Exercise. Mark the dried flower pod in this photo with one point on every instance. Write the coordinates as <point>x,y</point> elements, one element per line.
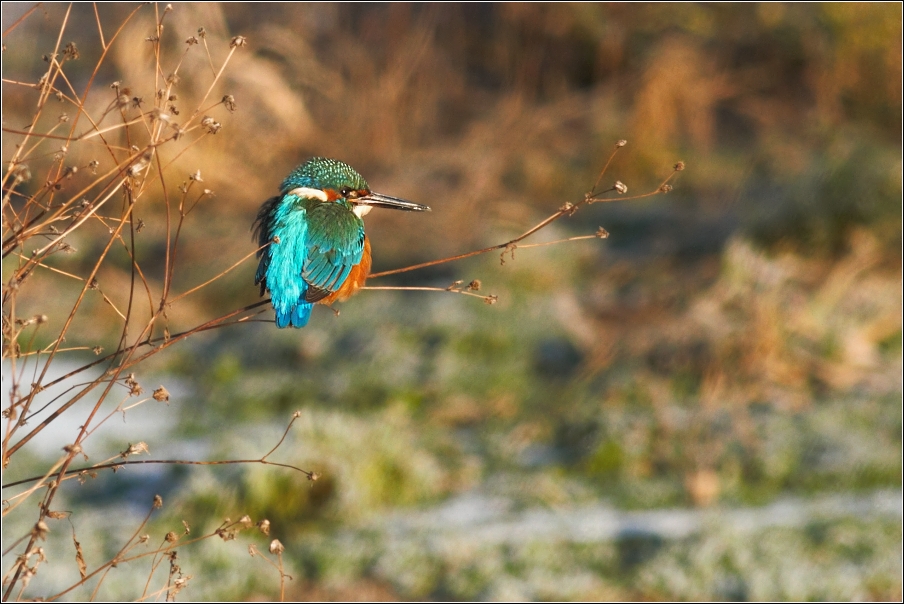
<point>264,526</point>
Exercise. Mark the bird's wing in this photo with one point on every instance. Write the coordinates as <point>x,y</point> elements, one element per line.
<point>262,227</point>
<point>335,242</point>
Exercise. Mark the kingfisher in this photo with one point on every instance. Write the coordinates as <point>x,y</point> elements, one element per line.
<point>318,252</point>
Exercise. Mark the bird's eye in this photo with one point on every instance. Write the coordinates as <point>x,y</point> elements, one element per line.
<point>345,191</point>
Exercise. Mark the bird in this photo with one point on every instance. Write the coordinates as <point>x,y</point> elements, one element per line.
<point>313,249</point>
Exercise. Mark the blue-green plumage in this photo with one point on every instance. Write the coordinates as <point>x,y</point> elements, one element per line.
<point>316,237</point>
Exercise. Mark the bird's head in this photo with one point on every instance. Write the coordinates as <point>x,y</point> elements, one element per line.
<point>331,180</point>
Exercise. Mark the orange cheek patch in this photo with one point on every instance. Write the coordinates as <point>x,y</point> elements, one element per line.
<point>331,195</point>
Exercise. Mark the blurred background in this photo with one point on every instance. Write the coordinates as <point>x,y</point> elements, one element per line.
<point>705,405</point>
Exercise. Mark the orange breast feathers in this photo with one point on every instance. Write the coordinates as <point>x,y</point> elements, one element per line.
<point>355,280</point>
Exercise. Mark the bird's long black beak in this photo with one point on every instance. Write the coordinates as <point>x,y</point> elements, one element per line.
<point>385,201</point>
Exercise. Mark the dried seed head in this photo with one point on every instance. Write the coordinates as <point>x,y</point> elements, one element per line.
<point>73,449</point>
<point>41,529</point>
<point>246,521</point>
<point>264,526</point>
<point>144,538</point>
<point>202,33</point>
<point>620,187</point>
<point>136,168</point>
<point>71,51</point>
<point>20,172</point>
<point>196,176</point>
<point>276,547</point>
<point>97,350</point>
<point>679,166</point>
<point>665,188</point>
<point>27,574</point>
<point>135,449</point>
<point>191,41</point>
<point>40,319</point>
<point>474,285</point>
<point>134,387</point>
<point>229,102</point>
<point>211,125</point>
<point>238,41</point>
<point>491,299</point>
<point>602,233</point>
<point>158,502</point>
<point>621,143</point>
<point>161,395</point>
<point>171,537</point>
<point>186,527</point>
<point>64,117</point>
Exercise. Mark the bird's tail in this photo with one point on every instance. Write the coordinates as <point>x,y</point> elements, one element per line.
<point>297,316</point>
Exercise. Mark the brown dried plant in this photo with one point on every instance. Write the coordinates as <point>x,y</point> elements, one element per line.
<point>85,174</point>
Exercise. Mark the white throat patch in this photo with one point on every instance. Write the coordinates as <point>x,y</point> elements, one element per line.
<point>362,210</point>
